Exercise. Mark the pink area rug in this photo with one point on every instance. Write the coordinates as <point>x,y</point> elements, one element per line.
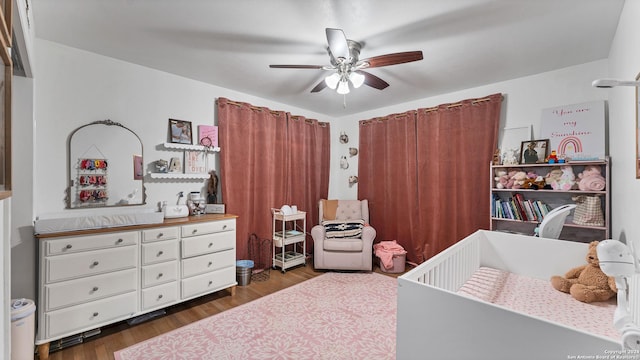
<point>331,316</point>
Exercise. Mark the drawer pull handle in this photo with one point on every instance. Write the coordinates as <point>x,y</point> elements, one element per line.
<point>160,296</point>
<point>95,314</point>
<point>119,241</point>
<point>194,231</point>
<point>160,275</point>
<point>95,263</point>
<point>224,227</point>
<point>210,244</point>
<point>69,246</point>
<point>210,282</point>
<point>160,253</point>
<point>95,288</point>
<point>210,263</point>
<point>160,235</point>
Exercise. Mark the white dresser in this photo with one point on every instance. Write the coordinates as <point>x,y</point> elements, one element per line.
<point>92,278</point>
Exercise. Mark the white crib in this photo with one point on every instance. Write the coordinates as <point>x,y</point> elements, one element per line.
<point>435,322</point>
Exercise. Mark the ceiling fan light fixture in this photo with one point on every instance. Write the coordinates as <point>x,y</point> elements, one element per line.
<point>343,87</point>
<point>356,79</point>
<point>332,80</point>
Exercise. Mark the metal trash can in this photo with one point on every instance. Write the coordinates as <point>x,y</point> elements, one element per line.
<point>22,329</point>
<point>243,272</point>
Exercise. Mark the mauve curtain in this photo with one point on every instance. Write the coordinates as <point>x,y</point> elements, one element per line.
<point>455,146</point>
<point>307,167</point>
<point>387,178</point>
<point>253,145</point>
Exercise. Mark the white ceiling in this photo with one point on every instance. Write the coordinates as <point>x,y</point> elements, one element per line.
<point>230,43</point>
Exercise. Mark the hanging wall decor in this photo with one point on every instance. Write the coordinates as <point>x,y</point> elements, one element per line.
<point>92,182</point>
<point>344,138</point>
<point>344,164</point>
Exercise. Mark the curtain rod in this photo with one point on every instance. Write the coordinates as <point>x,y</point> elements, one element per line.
<point>257,108</point>
<point>476,101</point>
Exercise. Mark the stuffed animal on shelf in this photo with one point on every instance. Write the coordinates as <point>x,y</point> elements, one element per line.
<point>553,178</point>
<point>590,179</point>
<point>587,283</point>
<point>501,178</point>
<point>518,180</point>
<point>567,180</point>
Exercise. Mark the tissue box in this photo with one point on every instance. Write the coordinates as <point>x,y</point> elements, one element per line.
<point>214,209</point>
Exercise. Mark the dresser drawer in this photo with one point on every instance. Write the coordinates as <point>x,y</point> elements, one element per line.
<point>200,245</point>
<point>208,227</point>
<point>90,242</point>
<point>89,288</point>
<point>159,251</point>
<point>159,273</point>
<point>91,315</point>
<point>88,263</point>
<point>159,295</point>
<point>165,233</point>
<point>205,263</point>
<point>205,283</point>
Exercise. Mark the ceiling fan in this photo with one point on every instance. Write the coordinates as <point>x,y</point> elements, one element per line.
<point>344,59</point>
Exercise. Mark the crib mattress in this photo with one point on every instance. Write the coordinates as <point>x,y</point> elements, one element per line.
<point>538,298</point>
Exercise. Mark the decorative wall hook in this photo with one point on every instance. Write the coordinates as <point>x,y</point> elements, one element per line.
<point>353,151</point>
<point>343,163</point>
<point>353,180</point>
<point>344,138</point>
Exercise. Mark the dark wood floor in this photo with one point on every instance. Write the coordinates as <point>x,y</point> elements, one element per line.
<point>121,335</point>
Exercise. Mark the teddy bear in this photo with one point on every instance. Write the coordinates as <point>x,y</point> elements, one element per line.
<point>518,179</point>
<point>587,283</point>
<point>590,179</point>
<point>534,183</point>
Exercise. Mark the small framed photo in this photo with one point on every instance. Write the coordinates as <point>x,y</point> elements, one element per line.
<point>180,132</point>
<point>137,167</point>
<point>534,151</point>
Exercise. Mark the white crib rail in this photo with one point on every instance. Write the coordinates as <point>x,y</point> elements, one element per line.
<point>451,268</point>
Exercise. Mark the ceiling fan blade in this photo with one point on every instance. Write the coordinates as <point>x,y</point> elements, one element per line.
<point>373,81</point>
<point>321,85</point>
<point>296,66</point>
<point>337,43</point>
<point>392,59</point>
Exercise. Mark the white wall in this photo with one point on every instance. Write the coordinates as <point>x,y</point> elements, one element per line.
<point>23,273</point>
<point>5,276</point>
<point>624,63</point>
<point>75,87</point>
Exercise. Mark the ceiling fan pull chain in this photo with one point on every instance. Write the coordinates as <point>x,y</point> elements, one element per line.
<point>344,101</point>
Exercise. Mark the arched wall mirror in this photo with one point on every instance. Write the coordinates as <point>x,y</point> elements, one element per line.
<point>105,166</point>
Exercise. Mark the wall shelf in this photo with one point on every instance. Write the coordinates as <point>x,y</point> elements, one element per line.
<point>179,176</point>
<point>190,147</point>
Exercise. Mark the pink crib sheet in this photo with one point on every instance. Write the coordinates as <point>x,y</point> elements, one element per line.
<point>538,298</point>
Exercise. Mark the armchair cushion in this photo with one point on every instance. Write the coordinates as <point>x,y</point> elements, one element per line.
<point>341,229</point>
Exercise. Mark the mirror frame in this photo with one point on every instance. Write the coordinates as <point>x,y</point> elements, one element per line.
<point>69,195</point>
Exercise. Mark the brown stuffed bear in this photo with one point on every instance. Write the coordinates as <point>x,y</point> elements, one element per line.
<point>587,283</point>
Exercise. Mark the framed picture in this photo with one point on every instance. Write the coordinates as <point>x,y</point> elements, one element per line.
<point>208,135</point>
<point>534,151</point>
<point>195,162</point>
<point>180,131</point>
<point>137,167</point>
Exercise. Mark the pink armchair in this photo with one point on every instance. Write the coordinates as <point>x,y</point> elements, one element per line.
<point>349,249</point>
